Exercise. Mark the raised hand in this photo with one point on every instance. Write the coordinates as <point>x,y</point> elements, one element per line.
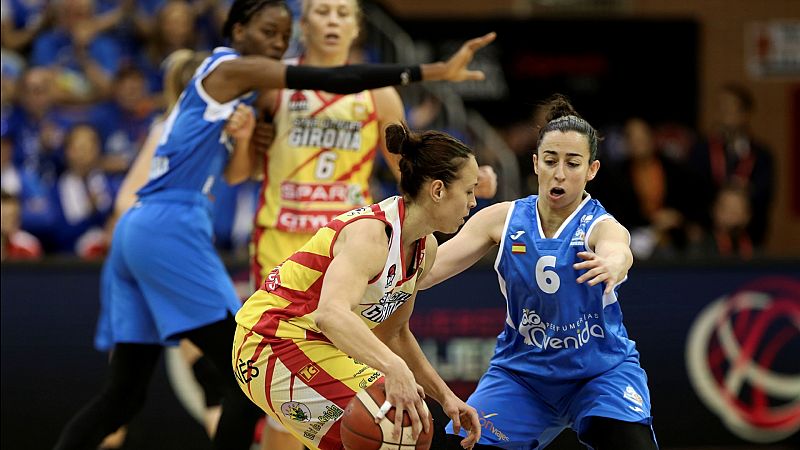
<point>599,270</point>
<point>456,66</point>
<point>487,182</point>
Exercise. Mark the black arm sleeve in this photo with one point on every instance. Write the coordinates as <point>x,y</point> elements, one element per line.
<point>351,79</point>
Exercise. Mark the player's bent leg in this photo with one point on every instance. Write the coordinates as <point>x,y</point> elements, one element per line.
<point>602,433</point>
<point>239,415</point>
<point>303,384</point>
<point>123,395</point>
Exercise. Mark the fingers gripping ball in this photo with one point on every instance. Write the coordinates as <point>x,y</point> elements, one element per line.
<point>360,432</point>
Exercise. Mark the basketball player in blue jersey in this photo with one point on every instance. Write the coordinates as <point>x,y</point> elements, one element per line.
<point>564,359</point>
<point>167,282</point>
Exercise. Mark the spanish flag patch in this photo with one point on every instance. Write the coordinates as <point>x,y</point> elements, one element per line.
<point>517,248</point>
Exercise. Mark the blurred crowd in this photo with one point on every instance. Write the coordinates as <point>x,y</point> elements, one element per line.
<point>679,193</point>
<point>82,83</point>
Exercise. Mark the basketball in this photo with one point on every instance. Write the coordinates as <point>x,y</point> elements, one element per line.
<point>360,432</point>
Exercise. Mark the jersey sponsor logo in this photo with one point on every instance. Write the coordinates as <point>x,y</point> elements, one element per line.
<point>736,354</point>
<point>517,235</point>
<point>331,414</point>
<point>325,133</point>
<point>368,381</point>
<point>549,336</point>
<point>296,411</point>
<point>389,303</point>
<point>308,372</point>
<point>632,395</point>
<point>296,221</point>
<point>273,279</point>
<point>298,102</point>
<point>489,426</point>
<point>246,371</point>
<point>322,192</point>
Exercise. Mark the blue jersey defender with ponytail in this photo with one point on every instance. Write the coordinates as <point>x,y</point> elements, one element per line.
<point>564,358</point>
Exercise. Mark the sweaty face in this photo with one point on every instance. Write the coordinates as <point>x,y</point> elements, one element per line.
<point>330,26</point>
<point>562,164</point>
<point>266,34</point>
<point>458,198</point>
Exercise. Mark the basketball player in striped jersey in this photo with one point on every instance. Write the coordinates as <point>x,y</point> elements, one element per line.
<point>321,160</point>
<point>332,319</point>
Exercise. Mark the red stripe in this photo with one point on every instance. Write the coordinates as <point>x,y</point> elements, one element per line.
<point>332,440</point>
<point>311,260</point>
<point>304,163</point>
<point>270,370</point>
<point>367,158</point>
<point>326,103</point>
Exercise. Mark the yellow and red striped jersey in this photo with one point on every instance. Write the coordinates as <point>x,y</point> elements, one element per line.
<point>321,160</point>
<point>286,304</point>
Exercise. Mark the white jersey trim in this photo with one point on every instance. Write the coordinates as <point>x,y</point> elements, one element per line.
<point>215,111</point>
<point>501,281</point>
<point>566,221</point>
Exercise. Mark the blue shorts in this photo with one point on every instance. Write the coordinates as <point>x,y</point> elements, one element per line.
<point>166,276</point>
<point>521,412</point>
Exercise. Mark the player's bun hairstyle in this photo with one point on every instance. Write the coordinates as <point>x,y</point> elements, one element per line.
<point>243,10</point>
<point>431,155</point>
<point>561,116</point>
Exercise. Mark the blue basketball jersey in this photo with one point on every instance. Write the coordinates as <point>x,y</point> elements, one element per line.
<point>555,327</point>
<point>194,149</point>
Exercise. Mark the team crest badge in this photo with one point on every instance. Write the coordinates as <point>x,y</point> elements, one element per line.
<point>296,411</point>
<point>298,102</point>
<point>390,275</point>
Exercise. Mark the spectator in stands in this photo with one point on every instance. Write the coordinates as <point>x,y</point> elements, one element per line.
<point>83,196</point>
<point>22,21</point>
<point>15,244</point>
<point>649,194</point>
<point>35,206</point>
<point>12,67</point>
<point>173,28</point>
<point>36,127</point>
<point>85,60</point>
<point>731,155</point>
<point>124,121</point>
<point>731,214</point>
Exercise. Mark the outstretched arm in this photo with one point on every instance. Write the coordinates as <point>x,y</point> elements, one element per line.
<point>234,77</point>
<point>481,232</point>
<point>611,258</point>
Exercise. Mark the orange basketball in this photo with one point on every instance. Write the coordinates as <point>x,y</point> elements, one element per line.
<point>360,432</point>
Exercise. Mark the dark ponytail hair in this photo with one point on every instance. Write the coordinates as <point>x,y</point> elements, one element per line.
<point>431,155</point>
<point>243,10</point>
<point>561,116</point>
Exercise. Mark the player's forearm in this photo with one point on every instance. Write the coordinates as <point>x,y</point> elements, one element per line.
<point>618,253</point>
<point>349,334</point>
<point>241,163</point>
<point>406,346</point>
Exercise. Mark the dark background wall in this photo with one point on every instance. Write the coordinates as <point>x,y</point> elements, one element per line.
<point>49,367</point>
